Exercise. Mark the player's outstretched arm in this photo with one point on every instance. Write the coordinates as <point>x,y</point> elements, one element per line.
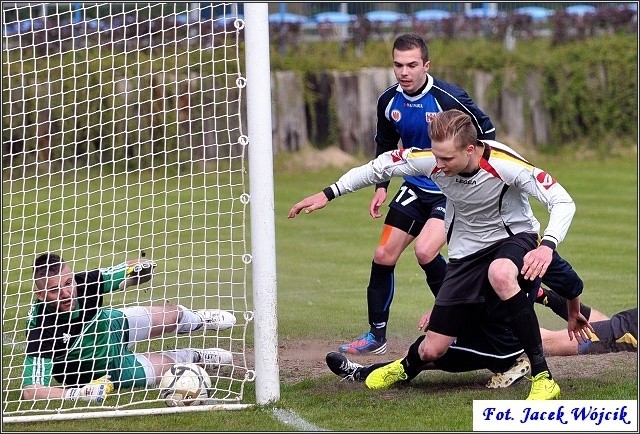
<point>384,167</point>
<point>138,271</point>
<point>132,272</point>
<point>309,204</point>
<point>96,391</point>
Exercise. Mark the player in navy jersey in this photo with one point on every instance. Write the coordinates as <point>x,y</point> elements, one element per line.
<point>78,349</point>
<point>404,112</point>
<point>492,235</point>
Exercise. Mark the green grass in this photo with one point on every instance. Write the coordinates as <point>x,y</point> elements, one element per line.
<point>323,264</point>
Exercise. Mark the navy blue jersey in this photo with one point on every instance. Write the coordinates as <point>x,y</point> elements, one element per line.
<point>405,117</point>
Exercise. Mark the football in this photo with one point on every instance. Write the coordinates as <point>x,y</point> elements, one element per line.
<point>185,384</point>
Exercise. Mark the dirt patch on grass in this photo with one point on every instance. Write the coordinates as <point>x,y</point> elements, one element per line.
<point>305,359</point>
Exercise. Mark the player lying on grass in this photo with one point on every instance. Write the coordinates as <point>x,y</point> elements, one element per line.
<point>493,348</point>
<point>612,335</point>
<point>87,348</point>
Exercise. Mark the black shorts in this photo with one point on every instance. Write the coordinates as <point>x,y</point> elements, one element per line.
<point>619,333</point>
<point>486,341</point>
<point>411,207</point>
<point>466,282</point>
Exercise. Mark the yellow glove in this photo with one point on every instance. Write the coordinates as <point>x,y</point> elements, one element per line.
<point>138,271</point>
<point>96,391</point>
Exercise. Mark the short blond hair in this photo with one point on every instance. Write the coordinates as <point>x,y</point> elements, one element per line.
<point>453,124</point>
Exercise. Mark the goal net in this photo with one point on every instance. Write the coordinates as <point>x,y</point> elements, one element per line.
<point>122,133</point>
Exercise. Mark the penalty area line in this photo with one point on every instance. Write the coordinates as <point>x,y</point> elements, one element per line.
<point>293,419</point>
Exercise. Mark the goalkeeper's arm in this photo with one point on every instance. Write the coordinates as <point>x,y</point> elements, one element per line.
<point>132,272</point>
<point>96,391</point>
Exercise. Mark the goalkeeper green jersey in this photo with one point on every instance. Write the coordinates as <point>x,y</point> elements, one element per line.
<point>75,347</point>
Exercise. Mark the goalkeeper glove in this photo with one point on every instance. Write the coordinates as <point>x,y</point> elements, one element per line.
<point>138,271</point>
<point>96,391</point>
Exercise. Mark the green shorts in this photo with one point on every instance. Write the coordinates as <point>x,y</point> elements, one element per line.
<point>122,365</point>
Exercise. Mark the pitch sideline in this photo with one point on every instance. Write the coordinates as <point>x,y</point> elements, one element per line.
<point>293,419</point>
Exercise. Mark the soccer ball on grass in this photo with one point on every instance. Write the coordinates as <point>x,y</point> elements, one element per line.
<point>185,384</point>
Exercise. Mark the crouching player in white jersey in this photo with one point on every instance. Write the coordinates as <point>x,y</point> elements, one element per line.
<point>86,348</point>
<point>492,234</point>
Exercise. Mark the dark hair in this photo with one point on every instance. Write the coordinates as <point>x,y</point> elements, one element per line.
<point>47,264</point>
<point>409,41</point>
<point>453,124</point>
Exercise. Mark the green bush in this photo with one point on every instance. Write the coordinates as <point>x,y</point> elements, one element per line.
<point>590,86</point>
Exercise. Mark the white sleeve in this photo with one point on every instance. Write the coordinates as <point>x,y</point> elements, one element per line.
<point>399,162</point>
<point>560,204</point>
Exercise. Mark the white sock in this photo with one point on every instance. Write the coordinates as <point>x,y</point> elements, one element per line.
<point>190,321</point>
<point>184,355</point>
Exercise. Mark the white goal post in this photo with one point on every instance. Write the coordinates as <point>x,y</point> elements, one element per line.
<point>128,131</point>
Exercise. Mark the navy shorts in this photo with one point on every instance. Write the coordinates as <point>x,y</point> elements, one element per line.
<point>562,278</point>
<point>411,207</point>
<point>619,333</point>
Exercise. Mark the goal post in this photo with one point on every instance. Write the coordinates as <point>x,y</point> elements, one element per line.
<point>129,130</point>
<point>262,202</point>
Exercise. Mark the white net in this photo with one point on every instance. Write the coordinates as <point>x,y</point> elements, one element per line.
<point>122,133</point>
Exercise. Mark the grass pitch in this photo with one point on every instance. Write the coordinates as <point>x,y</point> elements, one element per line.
<point>323,264</point>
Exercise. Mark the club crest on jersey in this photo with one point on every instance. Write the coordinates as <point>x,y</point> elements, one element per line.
<point>430,116</point>
<point>545,179</point>
<point>395,115</point>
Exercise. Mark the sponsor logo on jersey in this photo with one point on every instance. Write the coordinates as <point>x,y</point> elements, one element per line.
<point>412,104</point>
<point>466,181</point>
<point>545,180</point>
<point>396,115</point>
<point>430,116</point>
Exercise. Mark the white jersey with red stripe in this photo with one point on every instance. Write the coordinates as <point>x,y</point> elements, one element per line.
<point>484,207</point>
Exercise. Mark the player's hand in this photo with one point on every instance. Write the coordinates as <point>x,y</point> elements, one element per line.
<point>309,204</point>
<point>138,271</point>
<point>96,391</point>
<point>536,262</point>
<point>379,197</point>
<point>579,327</point>
<point>424,321</point>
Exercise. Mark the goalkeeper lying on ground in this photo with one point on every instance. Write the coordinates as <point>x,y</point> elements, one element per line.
<point>86,348</point>
<point>489,344</point>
